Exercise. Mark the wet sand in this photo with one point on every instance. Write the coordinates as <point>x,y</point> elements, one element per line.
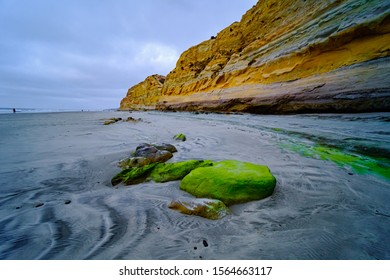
<point>57,202</point>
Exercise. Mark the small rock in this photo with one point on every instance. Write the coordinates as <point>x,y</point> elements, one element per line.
<point>163,146</point>
<point>207,208</point>
<point>131,119</point>
<point>108,122</point>
<point>180,137</point>
<point>145,151</point>
<point>153,154</point>
<point>39,204</point>
<point>67,201</point>
<point>111,121</point>
<point>205,243</point>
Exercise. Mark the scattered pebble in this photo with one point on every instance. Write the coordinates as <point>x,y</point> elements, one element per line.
<point>39,204</point>
<point>67,201</point>
<point>205,243</point>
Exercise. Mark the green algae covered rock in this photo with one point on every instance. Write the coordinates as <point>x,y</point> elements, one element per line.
<point>212,209</point>
<point>133,175</point>
<point>230,181</point>
<point>180,137</point>
<point>165,172</point>
<point>158,172</point>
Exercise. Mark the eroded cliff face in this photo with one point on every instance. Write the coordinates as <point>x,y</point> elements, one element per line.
<point>144,94</point>
<point>289,56</point>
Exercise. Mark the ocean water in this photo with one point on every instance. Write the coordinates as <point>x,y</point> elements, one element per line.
<point>4,110</point>
<point>57,202</point>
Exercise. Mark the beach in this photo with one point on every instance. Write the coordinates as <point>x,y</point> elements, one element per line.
<point>57,201</point>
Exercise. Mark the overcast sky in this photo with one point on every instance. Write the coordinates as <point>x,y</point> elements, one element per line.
<point>85,54</point>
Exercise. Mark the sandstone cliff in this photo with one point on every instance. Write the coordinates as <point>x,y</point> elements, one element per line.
<point>144,94</point>
<point>288,56</point>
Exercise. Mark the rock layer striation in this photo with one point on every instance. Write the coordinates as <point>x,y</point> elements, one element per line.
<point>282,57</point>
<point>144,94</point>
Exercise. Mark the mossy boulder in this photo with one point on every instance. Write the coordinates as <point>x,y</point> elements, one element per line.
<point>158,172</point>
<point>180,137</point>
<point>212,209</point>
<point>165,172</point>
<point>133,175</point>
<point>230,181</point>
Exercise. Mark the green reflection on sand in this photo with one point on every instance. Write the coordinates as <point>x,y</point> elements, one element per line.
<point>359,163</point>
<point>361,156</point>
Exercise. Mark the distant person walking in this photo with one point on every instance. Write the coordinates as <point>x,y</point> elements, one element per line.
<point>14,110</point>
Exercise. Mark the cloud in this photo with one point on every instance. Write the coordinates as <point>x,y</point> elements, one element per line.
<point>157,55</point>
<point>92,51</point>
